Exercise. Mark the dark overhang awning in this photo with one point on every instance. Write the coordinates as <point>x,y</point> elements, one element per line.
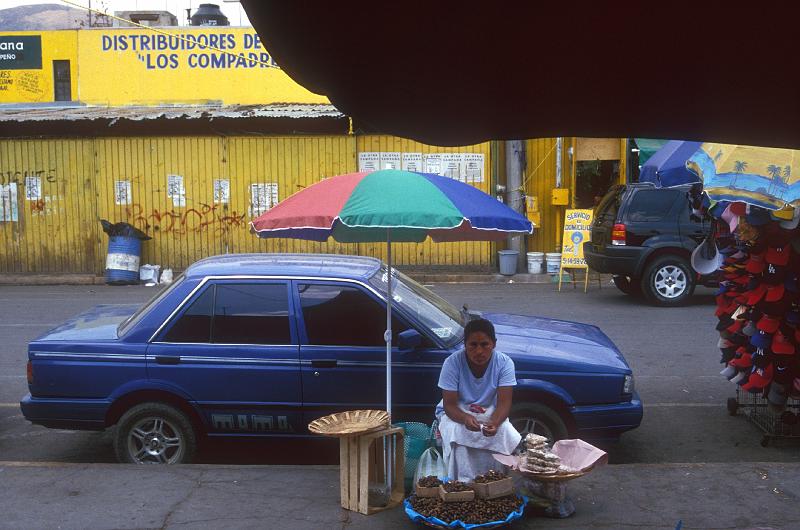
<point>454,73</point>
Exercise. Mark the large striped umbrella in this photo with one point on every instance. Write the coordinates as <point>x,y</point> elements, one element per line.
<point>393,206</point>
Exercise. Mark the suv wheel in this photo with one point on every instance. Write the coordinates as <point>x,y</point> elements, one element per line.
<point>538,419</point>
<point>154,433</point>
<point>631,286</point>
<point>668,280</point>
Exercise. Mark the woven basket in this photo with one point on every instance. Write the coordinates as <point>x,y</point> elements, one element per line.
<point>350,422</point>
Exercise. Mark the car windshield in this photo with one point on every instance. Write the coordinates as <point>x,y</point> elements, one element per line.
<point>429,308</point>
<point>134,319</point>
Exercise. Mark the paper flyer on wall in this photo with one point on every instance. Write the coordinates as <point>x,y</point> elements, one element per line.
<point>452,164</point>
<point>473,167</point>
<point>390,160</point>
<point>222,191</point>
<point>432,163</point>
<point>263,196</point>
<point>33,189</point>
<point>176,191</point>
<point>122,192</point>
<point>369,161</point>
<point>412,162</point>
<point>8,202</point>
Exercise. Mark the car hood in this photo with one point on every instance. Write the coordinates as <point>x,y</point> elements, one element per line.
<point>98,323</point>
<point>567,346</point>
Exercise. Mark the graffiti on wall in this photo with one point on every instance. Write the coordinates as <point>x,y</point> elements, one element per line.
<point>207,218</point>
<point>19,176</point>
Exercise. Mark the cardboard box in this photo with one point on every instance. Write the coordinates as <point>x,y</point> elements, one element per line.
<point>456,496</point>
<point>493,490</point>
<point>423,491</point>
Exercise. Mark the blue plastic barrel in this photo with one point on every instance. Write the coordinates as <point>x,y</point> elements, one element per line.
<point>122,262</point>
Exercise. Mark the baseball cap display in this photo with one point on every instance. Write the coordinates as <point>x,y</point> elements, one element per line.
<point>757,255</point>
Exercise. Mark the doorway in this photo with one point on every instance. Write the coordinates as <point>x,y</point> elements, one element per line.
<point>62,81</point>
<point>593,178</point>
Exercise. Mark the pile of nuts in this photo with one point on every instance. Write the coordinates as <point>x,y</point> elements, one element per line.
<point>431,481</point>
<point>471,512</point>
<point>453,486</point>
<point>490,476</point>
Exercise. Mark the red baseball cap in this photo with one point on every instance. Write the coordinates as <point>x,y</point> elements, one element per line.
<point>775,292</point>
<point>768,324</point>
<point>781,344</point>
<point>777,255</point>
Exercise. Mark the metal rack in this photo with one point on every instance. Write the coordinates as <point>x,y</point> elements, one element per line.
<point>773,424</point>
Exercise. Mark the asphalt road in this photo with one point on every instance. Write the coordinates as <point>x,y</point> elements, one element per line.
<point>672,352</point>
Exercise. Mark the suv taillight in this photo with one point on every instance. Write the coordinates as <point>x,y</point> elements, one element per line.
<point>618,234</point>
<point>30,373</point>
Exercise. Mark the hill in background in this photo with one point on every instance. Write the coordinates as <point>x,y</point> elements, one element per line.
<point>42,17</point>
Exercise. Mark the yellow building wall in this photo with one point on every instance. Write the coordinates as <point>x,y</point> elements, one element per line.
<point>540,180</point>
<point>36,85</point>
<point>123,66</point>
<point>195,197</point>
<point>140,67</point>
<point>48,207</point>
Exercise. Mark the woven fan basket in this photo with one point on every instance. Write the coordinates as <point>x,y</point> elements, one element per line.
<point>350,422</point>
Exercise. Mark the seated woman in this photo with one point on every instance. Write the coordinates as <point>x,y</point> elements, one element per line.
<point>477,385</point>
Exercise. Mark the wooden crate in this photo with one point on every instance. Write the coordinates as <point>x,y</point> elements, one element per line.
<point>361,459</point>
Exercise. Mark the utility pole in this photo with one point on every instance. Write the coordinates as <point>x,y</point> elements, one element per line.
<point>515,168</point>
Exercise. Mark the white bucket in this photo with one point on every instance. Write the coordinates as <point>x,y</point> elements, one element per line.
<point>553,262</point>
<point>535,262</point>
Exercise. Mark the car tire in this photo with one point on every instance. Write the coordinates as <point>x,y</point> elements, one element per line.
<point>631,286</point>
<point>668,281</point>
<point>539,419</point>
<point>154,433</point>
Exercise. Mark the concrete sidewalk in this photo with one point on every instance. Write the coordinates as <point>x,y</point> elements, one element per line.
<point>636,496</point>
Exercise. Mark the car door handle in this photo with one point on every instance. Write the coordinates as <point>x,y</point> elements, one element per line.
<point>167,359</point>
<point>324,363</point>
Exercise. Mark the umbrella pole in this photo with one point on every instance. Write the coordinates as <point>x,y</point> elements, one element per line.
<point>388,454</point>
<point>388,335</point>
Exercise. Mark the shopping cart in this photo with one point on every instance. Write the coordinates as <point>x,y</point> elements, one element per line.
<point>774,424</point>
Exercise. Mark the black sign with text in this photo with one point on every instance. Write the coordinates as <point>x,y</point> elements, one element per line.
<point>20,52</point>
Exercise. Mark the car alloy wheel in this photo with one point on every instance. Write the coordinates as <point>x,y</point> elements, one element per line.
<point>155,440</point>
<point>670,281</point>
<point>154,433</point>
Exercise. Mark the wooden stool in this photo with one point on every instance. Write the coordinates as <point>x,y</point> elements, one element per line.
<point>365,457</point>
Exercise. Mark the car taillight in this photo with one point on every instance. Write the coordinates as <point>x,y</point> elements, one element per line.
<point>618,234</point>
<point>30,373</point>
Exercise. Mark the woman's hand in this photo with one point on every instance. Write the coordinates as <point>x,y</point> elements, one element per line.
<point>489,429</point>
<point>471,423</point>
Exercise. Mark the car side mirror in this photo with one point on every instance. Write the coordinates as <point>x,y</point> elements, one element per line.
<point>409,340</point>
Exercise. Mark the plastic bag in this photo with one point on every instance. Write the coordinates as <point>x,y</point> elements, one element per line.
<point>430,463</point>
<point>123,229</point>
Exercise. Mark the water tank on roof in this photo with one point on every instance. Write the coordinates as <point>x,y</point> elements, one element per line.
<point>209,15</point>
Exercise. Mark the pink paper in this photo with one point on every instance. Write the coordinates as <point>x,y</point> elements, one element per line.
<point>577,455</point>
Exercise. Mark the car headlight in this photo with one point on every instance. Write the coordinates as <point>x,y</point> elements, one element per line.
<point>627,386</point>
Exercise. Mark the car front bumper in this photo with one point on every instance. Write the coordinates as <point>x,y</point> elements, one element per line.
<point>607,421</point>
<point>60,413</point>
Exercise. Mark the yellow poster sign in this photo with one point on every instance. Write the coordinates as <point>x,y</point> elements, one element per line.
<point>577,231</point>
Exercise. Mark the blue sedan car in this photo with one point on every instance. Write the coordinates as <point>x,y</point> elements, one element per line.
<point>260,345</point>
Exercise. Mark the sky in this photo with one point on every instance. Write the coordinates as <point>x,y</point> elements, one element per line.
<point>232,10</point>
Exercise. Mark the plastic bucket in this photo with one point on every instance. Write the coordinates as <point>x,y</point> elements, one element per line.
<point>553,262</point>
<point>508,262</point>
<point>122,262</point>
<point>535,262</point>
<point>416,438</point>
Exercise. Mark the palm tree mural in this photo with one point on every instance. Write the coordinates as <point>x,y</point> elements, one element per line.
<point>774,172</point>
<point>739,167</point>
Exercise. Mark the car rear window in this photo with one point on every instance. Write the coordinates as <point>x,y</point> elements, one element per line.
<point>610,203</point>
<point>651,205</point>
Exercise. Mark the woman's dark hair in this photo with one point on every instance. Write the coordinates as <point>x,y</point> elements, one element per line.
<point>480,324</point>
